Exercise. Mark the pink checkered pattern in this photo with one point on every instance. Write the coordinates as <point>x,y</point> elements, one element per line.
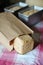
<point>35,57</point>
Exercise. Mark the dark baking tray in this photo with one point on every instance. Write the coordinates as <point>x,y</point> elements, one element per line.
<point>32,19</point>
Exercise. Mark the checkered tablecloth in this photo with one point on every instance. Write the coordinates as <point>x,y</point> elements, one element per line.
<point>35,57</point>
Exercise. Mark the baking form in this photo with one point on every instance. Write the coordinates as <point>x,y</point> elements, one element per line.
<point>30,19</point>
<point>15,7</point>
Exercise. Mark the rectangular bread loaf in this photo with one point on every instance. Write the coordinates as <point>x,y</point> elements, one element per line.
<point>11,27</point>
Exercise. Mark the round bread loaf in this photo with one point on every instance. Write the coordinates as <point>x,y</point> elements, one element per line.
<point>23,44</point>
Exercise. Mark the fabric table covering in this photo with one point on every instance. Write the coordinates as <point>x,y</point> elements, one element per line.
<point>34,57</point>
